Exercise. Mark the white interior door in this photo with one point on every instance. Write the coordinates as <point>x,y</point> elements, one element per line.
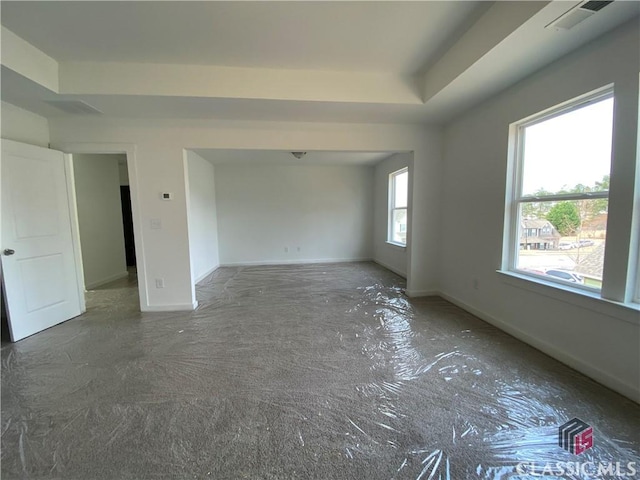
<point>38,264</point>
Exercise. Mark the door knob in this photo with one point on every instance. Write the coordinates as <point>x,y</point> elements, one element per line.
<point>8,252</point>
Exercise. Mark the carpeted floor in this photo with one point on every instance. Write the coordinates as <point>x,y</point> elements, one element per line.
<point>310,372</point>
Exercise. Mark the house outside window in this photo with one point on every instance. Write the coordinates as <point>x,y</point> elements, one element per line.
<point>398,200</point>
<point>558,205</point>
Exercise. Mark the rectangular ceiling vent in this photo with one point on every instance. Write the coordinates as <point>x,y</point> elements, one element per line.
<point>577,14</point>
<point>74,107</point>
<point>595,6</point>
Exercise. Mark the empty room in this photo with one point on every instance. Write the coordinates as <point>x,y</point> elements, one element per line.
<point>330,240</point>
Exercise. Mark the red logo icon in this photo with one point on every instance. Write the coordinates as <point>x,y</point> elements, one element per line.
<point>575,436</point>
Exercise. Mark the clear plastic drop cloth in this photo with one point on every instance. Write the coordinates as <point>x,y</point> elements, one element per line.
<point>300,372</point>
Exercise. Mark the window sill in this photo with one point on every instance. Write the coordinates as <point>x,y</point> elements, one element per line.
<point>398,245</point>
<point>587,299</point>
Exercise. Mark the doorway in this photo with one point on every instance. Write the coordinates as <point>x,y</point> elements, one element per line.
<point>105,225</point>
<point>127,225</point>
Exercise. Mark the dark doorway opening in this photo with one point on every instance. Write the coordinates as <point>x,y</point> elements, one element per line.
<point>127,223</point>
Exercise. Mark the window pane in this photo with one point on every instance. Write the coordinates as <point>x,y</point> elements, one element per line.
<point>401,185</point>
<point>564,240</point>
<point>399,226</point>
<point>570,152</point>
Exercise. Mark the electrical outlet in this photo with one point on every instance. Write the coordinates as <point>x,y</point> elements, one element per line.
<point>159,282</point>
<point>475,284</point>
<point>298,248</point>
<point>286,249</point>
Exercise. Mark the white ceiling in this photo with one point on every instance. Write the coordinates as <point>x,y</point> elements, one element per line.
<point>346,62</point>
<point>278,157</point>
<point>338,36</point>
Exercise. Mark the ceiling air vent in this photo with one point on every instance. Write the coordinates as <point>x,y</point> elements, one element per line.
<point>595,6</point>
<point>74,107</point>
<point>577,14</point>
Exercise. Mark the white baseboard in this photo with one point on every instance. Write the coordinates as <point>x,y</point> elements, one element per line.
<point>106,280</point>
<point>295,262</point>
<point>588,369</point>
<point>207,273</point>
<point>389,267</point>
<point>177,307</point>
<point>421,293</point>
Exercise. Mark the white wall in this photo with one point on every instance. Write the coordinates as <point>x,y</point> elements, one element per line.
<point>203,217</point>
<point>597,338</point>
<point>23,126</point>
<point>317,213</point>
<point>97,183</point>
<point>155,155</point>
<point>386,254</point>
<point>123,172</point>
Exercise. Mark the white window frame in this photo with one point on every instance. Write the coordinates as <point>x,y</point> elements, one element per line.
<point>393,208</point>
<point>515,197</point>
<point>636,296</point>
<point>635,242</point>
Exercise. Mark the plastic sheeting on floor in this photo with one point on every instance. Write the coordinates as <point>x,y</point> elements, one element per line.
<point>314,371</point>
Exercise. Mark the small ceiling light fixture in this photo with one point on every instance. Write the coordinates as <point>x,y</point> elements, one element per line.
<point>298,155</point>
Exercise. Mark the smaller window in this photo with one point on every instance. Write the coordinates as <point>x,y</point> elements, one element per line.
<point>398,194</point>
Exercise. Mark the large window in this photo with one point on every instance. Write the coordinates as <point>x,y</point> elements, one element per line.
<point>398,193</point>
<point>560,193</point>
